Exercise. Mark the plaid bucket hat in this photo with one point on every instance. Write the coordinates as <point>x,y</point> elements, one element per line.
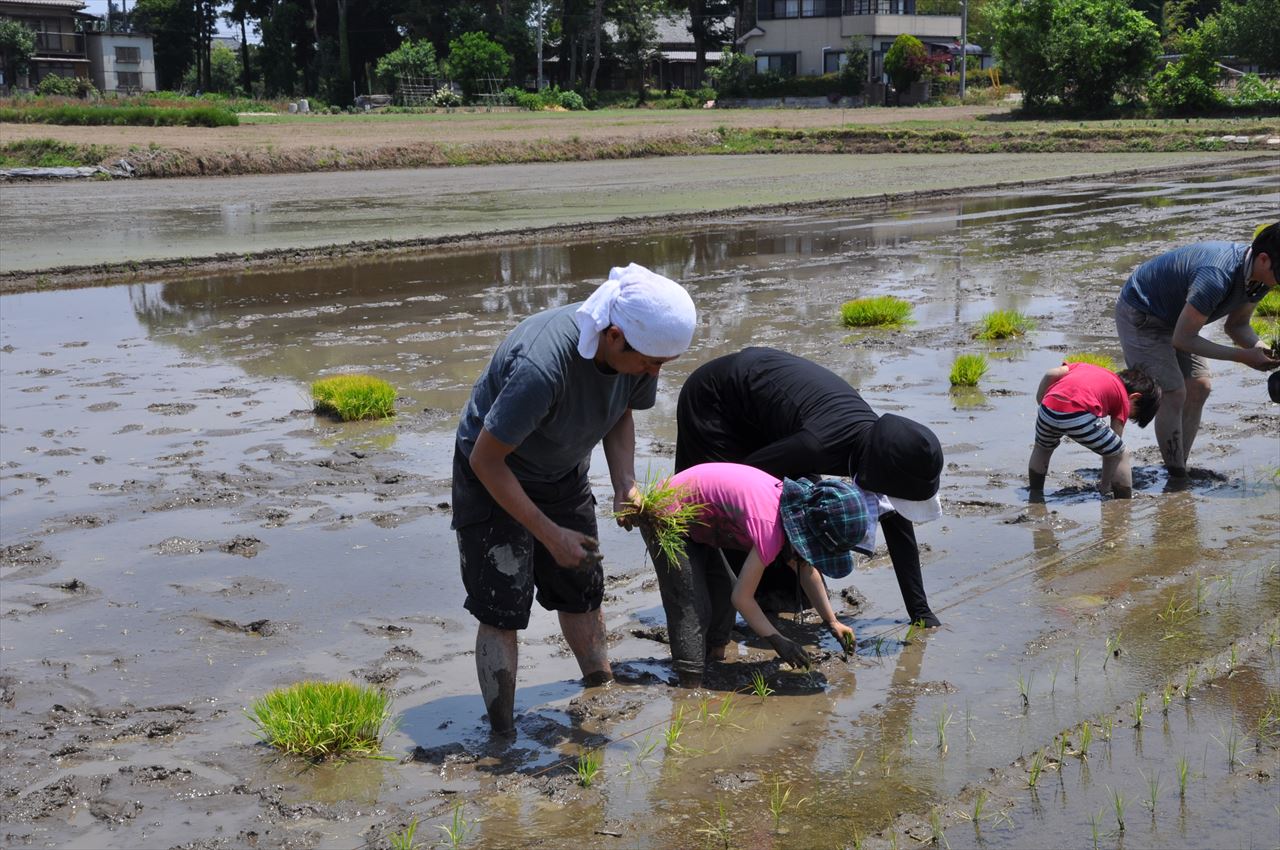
<point>823,522</point>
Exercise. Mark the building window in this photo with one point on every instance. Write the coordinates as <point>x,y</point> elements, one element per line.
<point>128,55</point>
<point>128,80</point>
<point>786,8</point>
<point>782,64</point>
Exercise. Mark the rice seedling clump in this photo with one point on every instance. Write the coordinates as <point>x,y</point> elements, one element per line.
<point>352,397</point>
<point>317,720</point>
<point>880,311</point>
<point>968,370</point>
<point>1004,324</point>
<point>667,512</point>
<point>1102,360</point>
<point>1268,330</point>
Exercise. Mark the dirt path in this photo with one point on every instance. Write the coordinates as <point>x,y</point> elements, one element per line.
<point>365,131</point>
<point>189,225</point>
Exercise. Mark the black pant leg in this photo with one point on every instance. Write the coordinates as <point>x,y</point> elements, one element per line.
<point>686,603</point>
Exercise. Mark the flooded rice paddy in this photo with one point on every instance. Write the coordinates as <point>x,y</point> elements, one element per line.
<point>181,534</point>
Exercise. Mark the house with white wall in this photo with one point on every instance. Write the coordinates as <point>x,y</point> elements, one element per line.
<point>121,62</point>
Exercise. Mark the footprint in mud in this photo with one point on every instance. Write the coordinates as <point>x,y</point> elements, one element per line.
<point>247,547</point>
<point>129,429</point>
<point>173,408</point>
<point>261,628</point>
<point>102,406</point>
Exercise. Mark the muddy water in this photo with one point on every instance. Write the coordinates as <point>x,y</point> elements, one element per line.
<point>180,534</point>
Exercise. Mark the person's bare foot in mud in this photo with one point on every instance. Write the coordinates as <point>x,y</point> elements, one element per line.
<point>598,679</point>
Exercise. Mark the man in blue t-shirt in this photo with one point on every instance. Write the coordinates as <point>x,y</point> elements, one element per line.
<point>1163,307</point>
<point>564,380</point>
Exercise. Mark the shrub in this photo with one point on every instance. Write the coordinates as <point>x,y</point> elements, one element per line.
<point>354,397</point>
<point>1188,85</point>
<point>473,58</point>
<point>410,59</point>
<point>317,720</point>
<point>1253,92</point>
<point>1003,324</point>
<point>1102,360</point>
<point>1080,53</point>
<point>880,311</point>
<point>968,369</point>
<point>572,100</point>
<point>905,61</point>
<point>138,116</point>
<point>446,98</point>
<point>66,87</point>
<point>729,78</point>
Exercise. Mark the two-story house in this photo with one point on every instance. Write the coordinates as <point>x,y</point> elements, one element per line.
<point>809,37</point>
<point>60,43</point>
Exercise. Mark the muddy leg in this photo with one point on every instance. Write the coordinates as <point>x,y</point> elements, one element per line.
<point>1038,468</point>
<point>1168,428</point>
<point>497,656</point>
<point>586,637</point>
<point>684,599</point>
<point>1198,390</point>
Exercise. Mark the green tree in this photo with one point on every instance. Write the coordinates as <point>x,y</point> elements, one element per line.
<point>1251,31</point>
<point>410,59</point>
<point>636,44</point>
<point>1081,53</point>
<point>905,62</point>
<point>473,56</point>
<point>17,46</point>
<point>224,72</point>
<point>174,24</point>
<point>1189,84</point>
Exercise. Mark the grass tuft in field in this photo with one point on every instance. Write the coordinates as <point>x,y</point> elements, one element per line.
<point>354,397</point>
<point>968,370</point>
<point>318,720</point>
<point>879,311</point>
<point>1004,324</point>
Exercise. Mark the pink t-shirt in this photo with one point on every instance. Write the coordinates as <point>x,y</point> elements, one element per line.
<point>743,507</point>
<point>1090,388</point>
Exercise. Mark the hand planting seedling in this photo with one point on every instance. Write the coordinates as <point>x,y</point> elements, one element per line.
<point>880,311</point>
<point>351,397</point>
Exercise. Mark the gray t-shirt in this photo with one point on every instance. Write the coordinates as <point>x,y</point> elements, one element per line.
<point>1209,276</point>
<point>540,395</point>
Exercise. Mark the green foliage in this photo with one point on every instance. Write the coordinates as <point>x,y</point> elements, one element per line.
<point>968,369</point>
<point>317,720</point>
<point>551,97</point>
<point>103,114</point>
<point>17,46</point>
<point>352,397</point>
<point>446,98</point>
<point>1004,324</point>
<point>224,72</point>
<point>56,86</point>
<point>905,61</point>
<point>1268,330</point>
<point>410,59</point>
<point>572,101</point>
<point>589,762</point>
<point>473,57</point>
<point>1252,92</point>
<point>1078,54</point>
<point>1251,31</point>
<point>1102,360</point>
<point>1269,305</point>
<point>48,153</point>
<point>878,311</point>
<point>1188,85</point>
<point>667,512</point>
<point>729,78</point>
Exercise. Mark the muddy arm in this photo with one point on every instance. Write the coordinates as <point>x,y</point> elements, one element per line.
<point>900,538</point>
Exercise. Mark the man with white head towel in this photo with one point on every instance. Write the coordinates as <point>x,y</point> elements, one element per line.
<point>564,380</point>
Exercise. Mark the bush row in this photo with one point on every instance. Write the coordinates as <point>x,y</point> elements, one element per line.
<point>548,98</point>
<point>145,116</point>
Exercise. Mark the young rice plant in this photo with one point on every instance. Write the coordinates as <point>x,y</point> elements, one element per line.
<point>668,513</point>
<point>880,311</point>
<point>968,370</point>
<point>321,719</point>
<point>351,397</point>
<point>1102,360</point>
<point>1004,324</point>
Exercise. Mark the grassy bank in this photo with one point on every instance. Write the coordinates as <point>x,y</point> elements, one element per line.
<point>997,136</point>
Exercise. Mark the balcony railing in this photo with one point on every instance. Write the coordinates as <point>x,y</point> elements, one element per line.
<point>60,44</point>
<point>771,10</point>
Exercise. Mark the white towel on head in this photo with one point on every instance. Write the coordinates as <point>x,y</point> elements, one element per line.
<point>655,313</point>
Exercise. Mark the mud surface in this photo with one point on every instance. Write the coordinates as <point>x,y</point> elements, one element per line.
<point>180,534</point>
<point>182,222</point>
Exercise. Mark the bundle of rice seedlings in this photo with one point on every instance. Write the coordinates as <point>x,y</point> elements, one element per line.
<point>968,369</point>
<point>1268,330</point>
<point>317,720</point>
<point>354,397</point>
<point>1269,305</point>
<point>1003,324</point>
<point>1102,360</point>
<point>668,512</point>
<point>880,311</point>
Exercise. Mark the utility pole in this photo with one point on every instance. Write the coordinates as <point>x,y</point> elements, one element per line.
<point>542,9</point>
<point>964,44</point>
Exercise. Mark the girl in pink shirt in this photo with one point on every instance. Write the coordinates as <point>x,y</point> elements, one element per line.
<point>813,525</point>
<point>1074,398</point>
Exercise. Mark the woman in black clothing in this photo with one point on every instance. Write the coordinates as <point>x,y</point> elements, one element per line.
<point>793,418</point>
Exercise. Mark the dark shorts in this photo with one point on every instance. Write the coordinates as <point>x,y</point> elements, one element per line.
<point>503,566</point>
